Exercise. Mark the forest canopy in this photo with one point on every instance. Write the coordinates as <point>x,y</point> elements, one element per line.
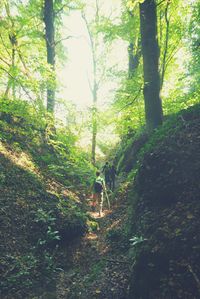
<point>85,83</point>
<point>35,37</point>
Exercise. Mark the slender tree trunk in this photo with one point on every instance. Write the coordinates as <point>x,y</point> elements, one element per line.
<point>13,69</point>
<point>94,134</point>
<point>134,59</point>
<point>11,80</point>
<point>150,52</point>
<point>13,40</point>
<point>94,86</point>
<point>94,113</point>
<point>50,44</point>
<point>166,45</point>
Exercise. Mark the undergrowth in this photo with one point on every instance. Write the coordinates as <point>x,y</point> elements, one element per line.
<point>42,176</point>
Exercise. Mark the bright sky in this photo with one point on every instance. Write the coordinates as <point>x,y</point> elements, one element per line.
<point>77,71</point>
<point>78,65</point>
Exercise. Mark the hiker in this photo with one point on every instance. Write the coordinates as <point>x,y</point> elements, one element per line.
<point>106,171</point>
<point>113,174</point>
<point>98,189</point>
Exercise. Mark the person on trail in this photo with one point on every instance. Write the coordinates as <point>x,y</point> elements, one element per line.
<point>98,189</point>
<point>106,171</point>
<point>113,174</point>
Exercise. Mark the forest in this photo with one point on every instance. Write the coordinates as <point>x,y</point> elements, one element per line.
<point>99,149</point>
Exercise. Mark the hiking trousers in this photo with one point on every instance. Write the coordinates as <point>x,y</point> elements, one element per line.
<point>99,198</point>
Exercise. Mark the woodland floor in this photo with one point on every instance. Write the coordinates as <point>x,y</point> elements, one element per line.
<point>101,266</point>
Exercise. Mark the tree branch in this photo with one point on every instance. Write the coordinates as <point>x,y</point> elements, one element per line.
<point>15,79</point>
<point>5,61</point>
<point>62,39</point>
<point>162,2</point>
<point>173,53</point>
<point>63,7</point>
<point>135,98</point>
<point>5,45</point>
<point>89,83</point>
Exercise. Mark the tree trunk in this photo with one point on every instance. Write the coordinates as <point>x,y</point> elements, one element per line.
<point>94,117</point>
<point>150,52</point>
<point>11,80</point>
<point>133,59</point>
<point>50,44</point>
<point>13,70</point>
<point>94,134</point>
<point>94,86</point>
<point>166,45</point>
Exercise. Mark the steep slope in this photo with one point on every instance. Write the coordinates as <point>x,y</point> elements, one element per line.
<point>39,208</point>
<point>166,221</point>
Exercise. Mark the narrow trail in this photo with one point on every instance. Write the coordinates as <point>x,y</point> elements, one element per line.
<point>101,266</point>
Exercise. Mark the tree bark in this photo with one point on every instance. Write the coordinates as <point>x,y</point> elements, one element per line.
<point>94,109</point>
<point>94,86</point>
<point>94,134</point>
<point>50,45</point>
<point>166,45</point>
<point>133,59</point>
<point>150,53</point>
<point>13,40</point>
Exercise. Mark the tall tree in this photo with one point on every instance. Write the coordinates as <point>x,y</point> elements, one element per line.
<point>13,41</point>
<point>94,86</point>
<point>133,59</point>
<point>134,49</point>
<point>150,53</point>
<point>164,62</point>
<point>99,51</point>
<point>21,28</point>
<point>50,45</point>
<point>193,40</point>
<point>171,27</point>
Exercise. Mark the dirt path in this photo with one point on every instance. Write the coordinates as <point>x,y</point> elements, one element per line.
<point>101,266</point>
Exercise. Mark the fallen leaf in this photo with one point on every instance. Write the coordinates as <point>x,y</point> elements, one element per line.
<point>190,216</point>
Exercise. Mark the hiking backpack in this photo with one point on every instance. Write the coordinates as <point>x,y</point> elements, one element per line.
<point>98,185</point>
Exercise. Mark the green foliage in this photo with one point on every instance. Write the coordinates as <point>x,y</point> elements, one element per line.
<point>170,127</point>
<point>178,91</point>
<point>23,71</point>
<point>165,199</point>
<point>118,236</point>
<point>20,272</point>
<point>96,271</point>
<point>40,157</point>
<point>43,216</point>
<point>131,4</point>
<point>193,36</point>
<point>75,215</point>
<point>47,218</point>
<point>23,111</point>
<point>167,147</point>
<point>137,240</point>
<point>43,170</point>
<point>135,146</point>
<point>129,105</point>
<point>114,235</point>
<point>53,149</point>
<point>93,226</point>
<point>130,147</point>
<point>137,244</point>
